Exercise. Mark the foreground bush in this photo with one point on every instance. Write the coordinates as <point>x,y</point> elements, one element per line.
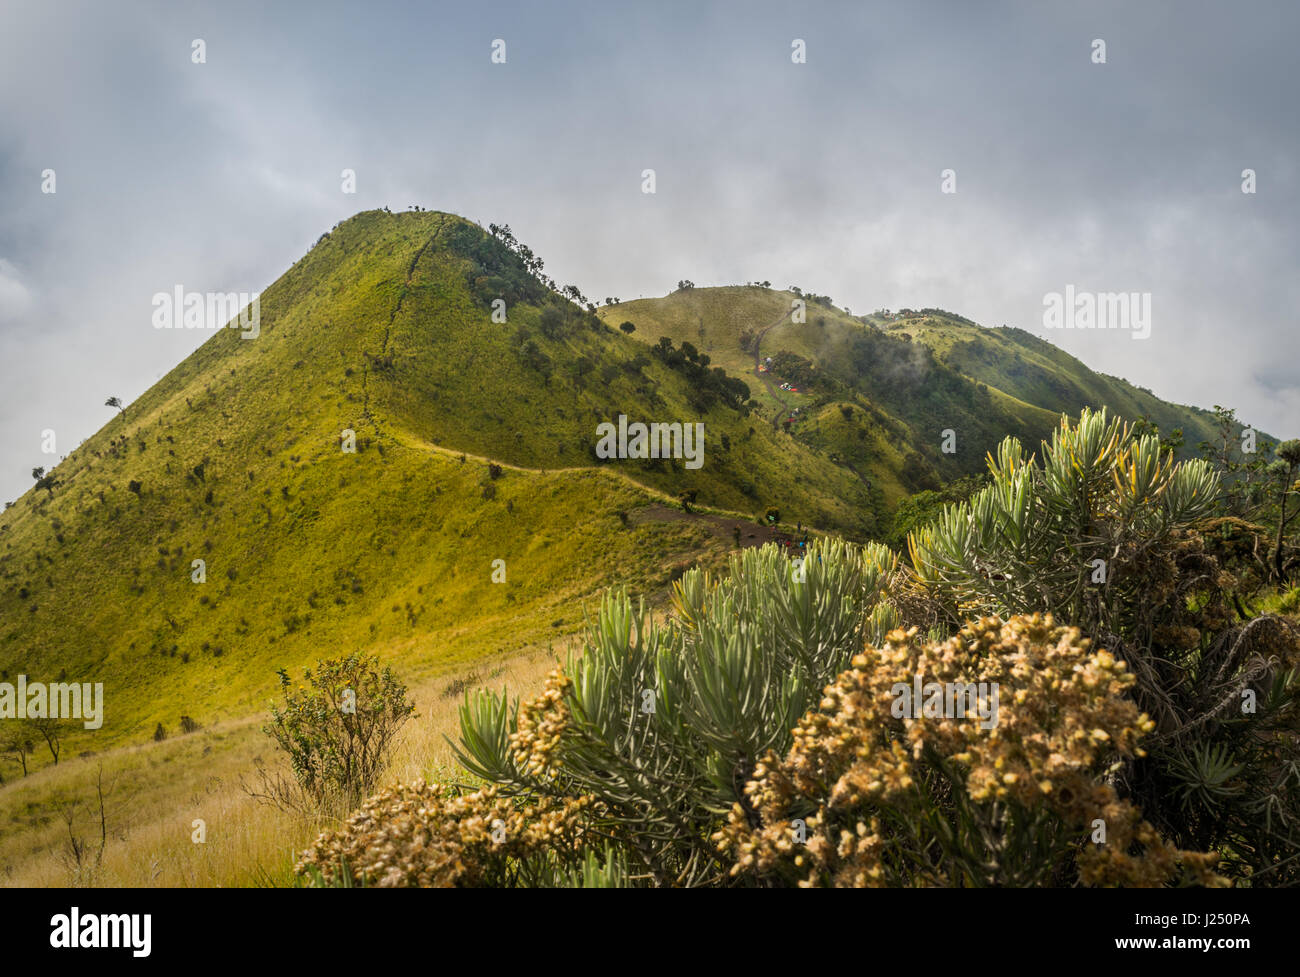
<point>663,724</point>
<point>1105,534</point>
<point>678,754</point>
<point>870,798</point>
<point>430,835</point>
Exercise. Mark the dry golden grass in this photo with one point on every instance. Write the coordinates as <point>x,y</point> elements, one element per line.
<point>158,790</point>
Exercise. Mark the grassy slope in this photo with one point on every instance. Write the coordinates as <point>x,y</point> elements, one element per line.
<point>712,320</point>
<point>456,381</point>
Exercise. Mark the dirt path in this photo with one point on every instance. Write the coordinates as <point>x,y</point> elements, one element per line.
<point>668,502</point>
<point>767,377</point>
<point>392,315</point>
<point>853,468</point>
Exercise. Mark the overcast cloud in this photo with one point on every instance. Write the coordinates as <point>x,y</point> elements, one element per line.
<point>218,176</point>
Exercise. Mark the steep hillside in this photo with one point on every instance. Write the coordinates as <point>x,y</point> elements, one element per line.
<point>1025,366</point>
<point>474,443</point>
<point>838,361</point>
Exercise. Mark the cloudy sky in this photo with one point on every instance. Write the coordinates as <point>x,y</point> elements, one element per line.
<point>1122,176</point>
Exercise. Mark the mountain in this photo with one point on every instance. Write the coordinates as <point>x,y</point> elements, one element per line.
<point>235,458</point>
<point>475,393</point>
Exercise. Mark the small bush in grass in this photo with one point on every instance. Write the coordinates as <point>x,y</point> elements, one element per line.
<point>459,686</point>
<point>338,726</point>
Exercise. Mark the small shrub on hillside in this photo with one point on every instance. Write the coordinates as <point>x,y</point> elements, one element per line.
<point>338,726</point>
<point>459,686</point>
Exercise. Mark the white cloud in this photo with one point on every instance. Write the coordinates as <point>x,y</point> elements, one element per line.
<point>15,298</point>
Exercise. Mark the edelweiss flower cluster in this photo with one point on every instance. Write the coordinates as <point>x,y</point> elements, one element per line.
<point>536,741</point>
<point>428,835</point>
<point>863,782</point>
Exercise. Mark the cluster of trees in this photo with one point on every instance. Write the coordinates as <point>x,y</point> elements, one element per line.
<point>500,267</point>
<point>503,267</point>
<point>813,297</point>
<point>43,481</point>
<point>18,740</point>
<point>943,312</point>
<point>795,369</point>
<point>910,381</point>
<point>822,300</point>
<point>707,386</point>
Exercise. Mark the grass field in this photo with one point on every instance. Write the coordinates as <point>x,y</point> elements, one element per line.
<point>158,791</point>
